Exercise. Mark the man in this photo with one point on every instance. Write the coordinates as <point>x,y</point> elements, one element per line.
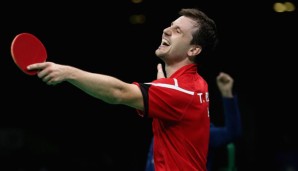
<point>219,135</point>
<point>178,104</point>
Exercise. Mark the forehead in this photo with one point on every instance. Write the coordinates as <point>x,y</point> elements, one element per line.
<point>185,23</point>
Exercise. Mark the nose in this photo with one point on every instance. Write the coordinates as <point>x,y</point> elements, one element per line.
<point>167,31</point>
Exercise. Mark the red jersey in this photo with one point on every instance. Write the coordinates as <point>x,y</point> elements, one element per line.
<point>179,106</point>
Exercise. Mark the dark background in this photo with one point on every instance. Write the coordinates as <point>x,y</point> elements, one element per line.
<point>61,128</point>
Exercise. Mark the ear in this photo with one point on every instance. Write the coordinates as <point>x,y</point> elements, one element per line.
<point>194,50</point>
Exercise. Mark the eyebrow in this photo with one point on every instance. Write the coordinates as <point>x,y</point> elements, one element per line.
<point>176,26</point>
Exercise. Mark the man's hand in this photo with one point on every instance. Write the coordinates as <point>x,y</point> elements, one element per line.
<point>225,84</point>
<point>160,73</point>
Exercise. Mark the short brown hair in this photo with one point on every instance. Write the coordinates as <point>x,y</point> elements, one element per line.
<point>206,34</point>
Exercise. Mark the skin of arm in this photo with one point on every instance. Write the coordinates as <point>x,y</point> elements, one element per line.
<point>106,88</point>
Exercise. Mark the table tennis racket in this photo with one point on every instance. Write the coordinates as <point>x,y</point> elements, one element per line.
<point>27,49</point>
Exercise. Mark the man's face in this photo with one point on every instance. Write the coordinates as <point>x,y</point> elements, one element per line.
<point>176,40</point>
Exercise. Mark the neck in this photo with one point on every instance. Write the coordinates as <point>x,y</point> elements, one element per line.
<point>172,68</point>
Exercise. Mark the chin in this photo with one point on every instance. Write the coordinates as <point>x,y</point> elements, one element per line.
<point>159,53</point>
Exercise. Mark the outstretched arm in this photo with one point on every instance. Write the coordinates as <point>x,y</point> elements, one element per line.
<point>232,129</point>
<point>103,87</point>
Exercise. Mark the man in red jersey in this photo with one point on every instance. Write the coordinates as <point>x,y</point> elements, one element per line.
<point>219,135</point>
<point>178,104</point>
